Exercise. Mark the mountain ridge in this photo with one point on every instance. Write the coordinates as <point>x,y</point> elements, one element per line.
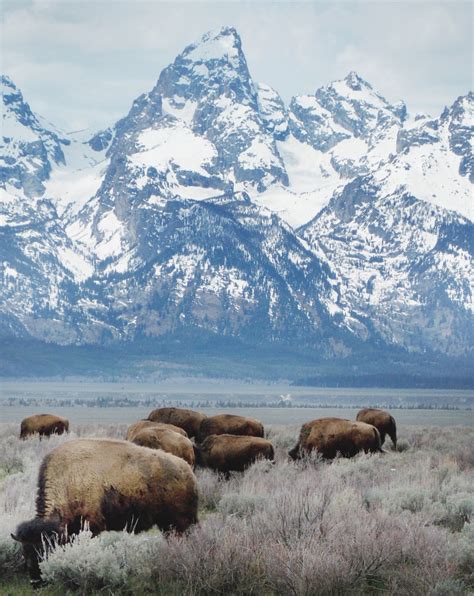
<point>339,223</point>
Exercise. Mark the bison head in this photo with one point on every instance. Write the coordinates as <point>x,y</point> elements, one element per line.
<point>35,535</point>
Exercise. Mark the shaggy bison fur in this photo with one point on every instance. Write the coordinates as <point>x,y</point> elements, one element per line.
<point>167,440</point>
<point>230,424</point>
<point>43,425</point>
<point>383,422</point>
<point>336,436</point>
<point>111,485</point>
<point>137,427</point>
<point>228,453</point>
<point>189,420</point>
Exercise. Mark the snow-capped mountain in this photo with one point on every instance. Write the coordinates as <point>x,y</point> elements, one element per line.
<point>28,150</point>
<point>338,222</point>
<point>401,236</point>
<point>402,263</point>
<point>222,265</point>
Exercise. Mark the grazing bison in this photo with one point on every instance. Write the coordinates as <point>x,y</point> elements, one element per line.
<point>43,425</point>
<point>230,424</point>
<point>167,440</point>
<point>333,436</point>
<point>229,453</point>
<point>137,427</point>
<point>189,420</point>
<point>110,485</point>
<point>382,421</point>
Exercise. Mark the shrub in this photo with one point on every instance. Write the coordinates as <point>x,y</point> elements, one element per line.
<point>211,487</point>
<point>399,523</point>
<point>11,556</point>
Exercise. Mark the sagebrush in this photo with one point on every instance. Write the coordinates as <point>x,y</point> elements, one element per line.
<point>397,523</point>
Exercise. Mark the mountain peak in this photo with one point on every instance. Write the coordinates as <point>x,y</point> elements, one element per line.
<point>5,81</point>
<point>222,44</point>
<point>355,82</point>
<point>10,92</point>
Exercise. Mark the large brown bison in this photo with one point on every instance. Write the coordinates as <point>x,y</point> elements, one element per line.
<point>166,439</point>
<point>382,421</point>
<point>189,420</point>
<point>230,424</point>
<point>43,425</point>
<point>228,453</point>
<point>336,436</point>
<point>137,427</point>
<point>111,485</point>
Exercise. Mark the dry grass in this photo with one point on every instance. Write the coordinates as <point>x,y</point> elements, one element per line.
<point>398,523</point>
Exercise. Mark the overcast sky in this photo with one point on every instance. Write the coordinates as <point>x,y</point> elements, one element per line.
<point>80,63</point>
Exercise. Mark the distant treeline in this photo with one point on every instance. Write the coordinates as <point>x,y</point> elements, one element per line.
<point>386,380</point>
<point>104,402</point>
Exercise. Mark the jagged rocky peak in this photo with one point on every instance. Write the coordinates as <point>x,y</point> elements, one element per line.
<point>346,109</point>
<point>435,158</point>
<point>355,82</point>
<point>365,93</point>
<point>10,93</point>
<point>28,147</point>
<point>16,111</point>
<point>355,105</point>
<point>217,47</point>
<point>198,132</point>
<point>212,67</point>
<point>273,111</point>
<point>13,101</point>
<point>394,264</point>
<point>460,121</point>
<point>356,89</point>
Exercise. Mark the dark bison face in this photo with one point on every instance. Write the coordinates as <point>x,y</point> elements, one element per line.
<point>35,536</point>
<point>295,453</point>
<point>184,521</point>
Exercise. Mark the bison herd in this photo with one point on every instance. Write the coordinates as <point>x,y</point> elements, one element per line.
<point>148,479</point>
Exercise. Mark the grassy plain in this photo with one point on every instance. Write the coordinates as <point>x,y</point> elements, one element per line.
<point>399,523</point>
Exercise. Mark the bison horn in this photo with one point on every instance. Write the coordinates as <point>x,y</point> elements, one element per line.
<point>15,538</point>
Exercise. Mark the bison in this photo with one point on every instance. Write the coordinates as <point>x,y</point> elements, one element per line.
<point>231,453</point>
<point>43,425</point>
<point>137,427</point>
<point>333,436</point>
<point>382,421</point>
<point>155,437</point>
<point>111,485</point>
<point>189,420</point>
<point>230,424</point>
